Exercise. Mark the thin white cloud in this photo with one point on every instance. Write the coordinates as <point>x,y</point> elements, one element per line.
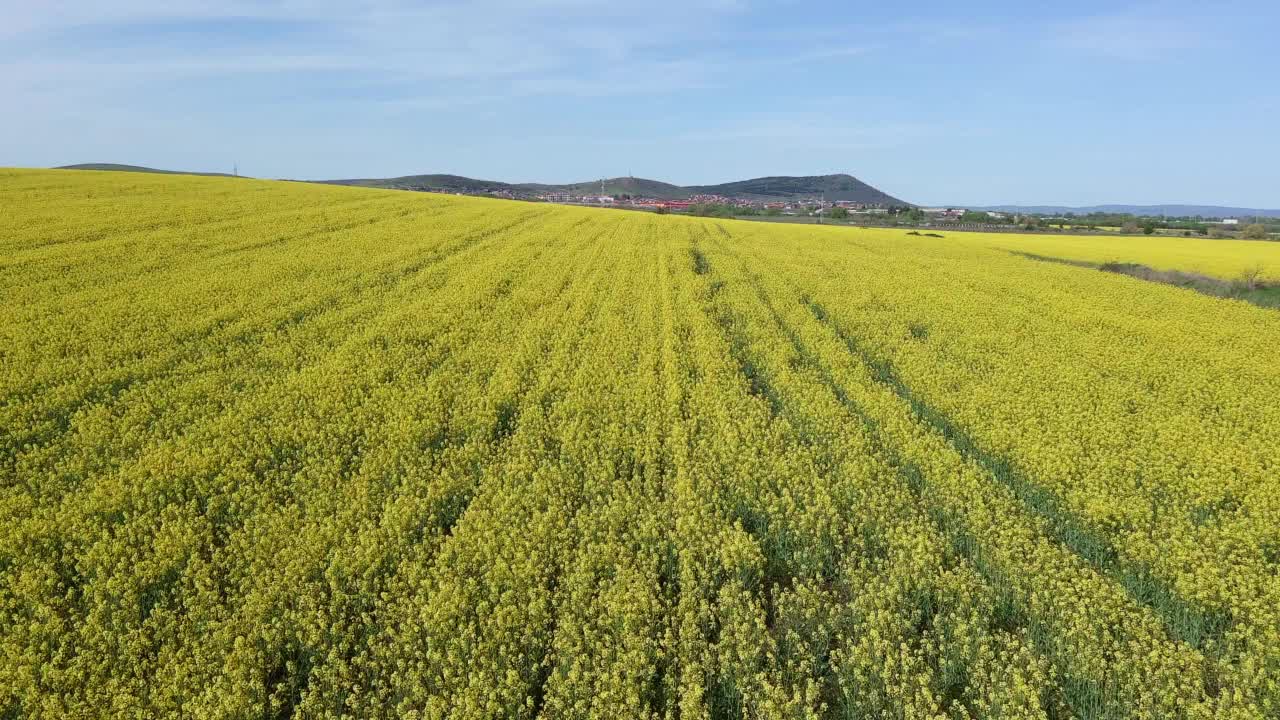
<point>829,53</point>
<point>1143,33</point>
<point>836,129</point>
<point>571,47</point>
<point>504,48</point>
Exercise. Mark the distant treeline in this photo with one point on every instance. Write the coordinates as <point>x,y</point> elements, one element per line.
<point>1195,223</point>
<point>1128,223</point>
<point>723,210</point>
<point>1131,224</point>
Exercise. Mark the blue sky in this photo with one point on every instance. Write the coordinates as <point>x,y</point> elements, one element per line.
<point>964,103</point>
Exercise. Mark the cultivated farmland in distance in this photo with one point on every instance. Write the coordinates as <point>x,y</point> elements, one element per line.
<point>1225,259</point>
<point>286,450</point>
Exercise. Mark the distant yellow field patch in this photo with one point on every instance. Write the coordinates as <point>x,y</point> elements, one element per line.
<point>1226,259</point>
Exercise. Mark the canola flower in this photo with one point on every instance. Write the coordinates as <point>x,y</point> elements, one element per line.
<point>283,450</point>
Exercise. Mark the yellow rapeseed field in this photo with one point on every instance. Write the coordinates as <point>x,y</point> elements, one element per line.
<point>1226,259</point>
<point>285,450</point>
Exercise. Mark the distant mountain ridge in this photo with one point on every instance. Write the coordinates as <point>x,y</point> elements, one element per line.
<point>114,167</point>
<point>779,187</point>
<point>1148,210</point>
<point>833,187</point>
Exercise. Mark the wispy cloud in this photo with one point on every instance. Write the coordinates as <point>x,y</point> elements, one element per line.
<point>533,45</point>
<point>834,130</point>
<point>84,50</point>
<point>1142,33</point>
<point>821,54</point>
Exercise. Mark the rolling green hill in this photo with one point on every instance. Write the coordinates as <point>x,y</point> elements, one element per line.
<point>437,183</point>
<point>639,187</point>
<point>834,187</point>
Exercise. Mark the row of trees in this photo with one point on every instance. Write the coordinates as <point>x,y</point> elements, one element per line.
<point>1149,226</point>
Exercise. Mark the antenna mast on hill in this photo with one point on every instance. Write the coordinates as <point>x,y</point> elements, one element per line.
<point>235,169</point>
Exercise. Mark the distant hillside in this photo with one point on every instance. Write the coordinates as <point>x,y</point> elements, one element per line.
<point>834,187</point>
<point>638,187</point>
<point>438,183</point>
<point>113,167</point>
<point>1149,210</point>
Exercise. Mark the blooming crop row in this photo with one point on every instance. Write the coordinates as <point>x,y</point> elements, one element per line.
<point>283,450</point>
